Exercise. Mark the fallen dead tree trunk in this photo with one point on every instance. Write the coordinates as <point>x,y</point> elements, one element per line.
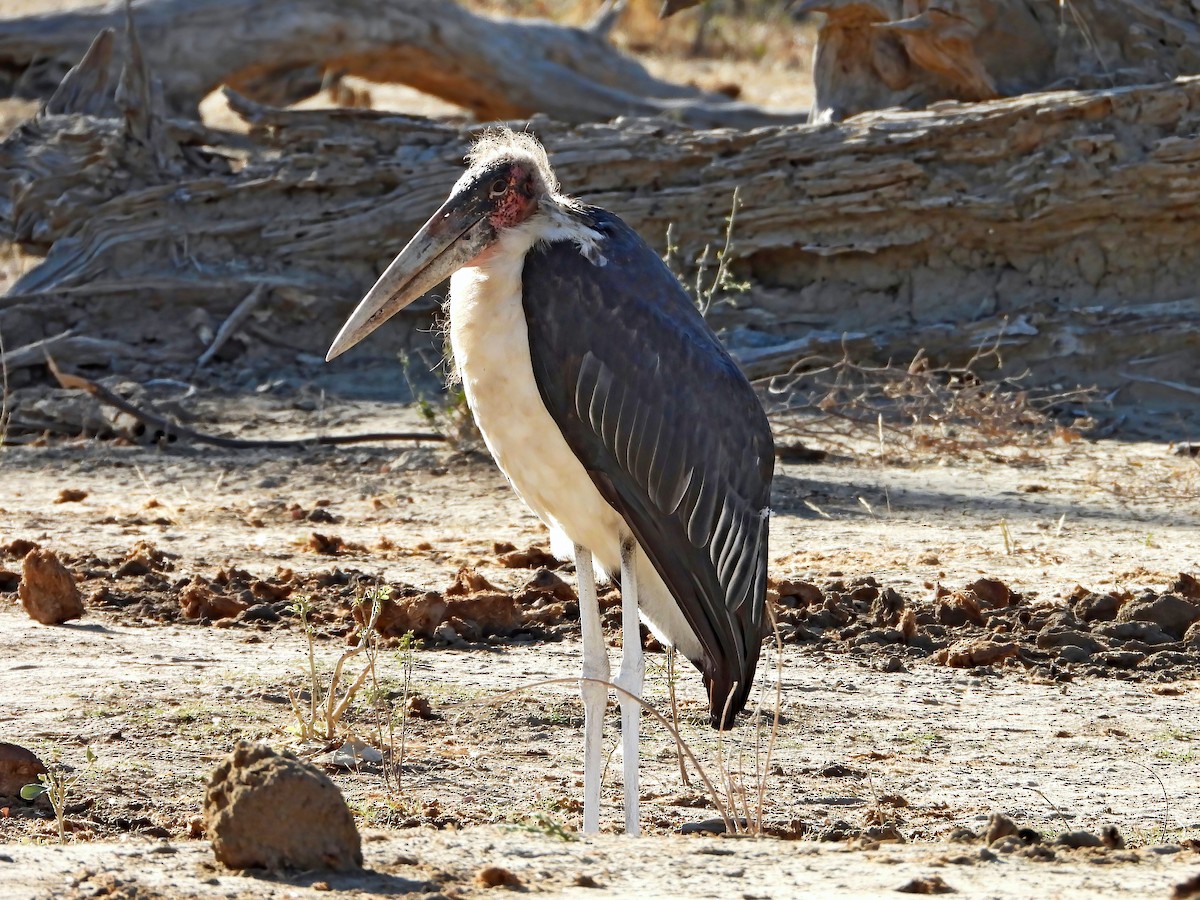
<point>1065,220</point>
<point>875,54</point>
<point>279,51</point>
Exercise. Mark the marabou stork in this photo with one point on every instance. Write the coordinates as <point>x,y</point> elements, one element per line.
<point>615,413</point>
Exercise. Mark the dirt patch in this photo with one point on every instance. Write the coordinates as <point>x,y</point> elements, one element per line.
<point>878,740</point>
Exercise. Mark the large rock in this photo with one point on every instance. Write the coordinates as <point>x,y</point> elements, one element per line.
<point>48,590</point>
<point>269,810</point>
<point>1171,614</point>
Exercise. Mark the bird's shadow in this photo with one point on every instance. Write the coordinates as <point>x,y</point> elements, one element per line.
<point>819,496</point>
<point>359,882</point>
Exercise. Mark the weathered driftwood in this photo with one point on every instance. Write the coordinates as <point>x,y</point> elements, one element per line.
<point>874,54</point>
<point>279,51</point>
<point>1067,220</point>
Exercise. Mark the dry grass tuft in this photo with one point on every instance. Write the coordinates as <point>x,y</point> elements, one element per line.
<point>922,410</point>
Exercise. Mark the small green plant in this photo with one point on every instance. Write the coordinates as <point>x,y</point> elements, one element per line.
<point>56,783</point>
<point>393,773</point>
<point>718,288</point>
<point>451,415</point>
<point>544,823</point>
<point>321,719</point>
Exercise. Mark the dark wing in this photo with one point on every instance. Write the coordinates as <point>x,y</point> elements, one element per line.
<point>669,429</point>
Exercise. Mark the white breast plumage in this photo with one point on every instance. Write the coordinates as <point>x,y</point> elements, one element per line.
<point>490,341</point>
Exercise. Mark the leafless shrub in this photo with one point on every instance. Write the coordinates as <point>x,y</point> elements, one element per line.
<point>923,408</point>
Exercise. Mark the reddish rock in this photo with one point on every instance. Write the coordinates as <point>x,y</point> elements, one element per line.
<point>991,593</point>
<point>19,548</point>
<point>468,581</point>
<point>492,613</point>
<point>1171,614</point>
<point>546,582</point>
<point>529,558</point>
<point>799,593</point>
<point>966,654</point>
<point>18,767</point>
<point>199,601</point>
<point>48,590</point>
<point>269,810</point>
<point>419,613</point>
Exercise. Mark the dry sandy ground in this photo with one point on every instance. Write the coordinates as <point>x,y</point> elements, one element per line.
<point>920,750</point>
<point>923,750</point>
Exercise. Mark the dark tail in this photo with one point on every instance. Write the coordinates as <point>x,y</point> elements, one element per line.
<point>729,686</point>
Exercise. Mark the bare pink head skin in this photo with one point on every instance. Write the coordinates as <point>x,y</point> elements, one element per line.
<point>508,185</point>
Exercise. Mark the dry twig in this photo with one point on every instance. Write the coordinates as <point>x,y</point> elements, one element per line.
<point>171,431</point>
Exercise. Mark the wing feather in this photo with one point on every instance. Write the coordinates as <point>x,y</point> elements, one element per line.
<point>669,429</point>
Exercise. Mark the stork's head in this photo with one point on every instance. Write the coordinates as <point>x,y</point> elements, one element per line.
<point>507,183</point>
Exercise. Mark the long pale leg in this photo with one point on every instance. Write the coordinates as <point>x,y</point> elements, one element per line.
<point>595,695</point>
<point>633,670</point>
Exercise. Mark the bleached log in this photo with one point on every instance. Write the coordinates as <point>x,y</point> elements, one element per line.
<point>278,51</point>
<point>1072,215</point>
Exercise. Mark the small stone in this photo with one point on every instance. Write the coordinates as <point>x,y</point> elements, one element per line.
<point>1091,607</point>
<point>260,612</point>
<point>1049,639</point>
<point>999,826</point>
<point>929,884</point>
<point>1009,844</point>
<point>497,876</point>
<point>48,590</point>
<point>1077,839</point>
<point>1119,659</point>
<point>71,495</point>
<point>1073,654</point>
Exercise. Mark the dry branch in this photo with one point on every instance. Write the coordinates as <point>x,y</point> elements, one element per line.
<point>279,51</point>
<point>1065,221</point>
<point>169,430</point>
<point>875,54</point>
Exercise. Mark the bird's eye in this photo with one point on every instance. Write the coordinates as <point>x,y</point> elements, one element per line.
<point>499,186</point>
